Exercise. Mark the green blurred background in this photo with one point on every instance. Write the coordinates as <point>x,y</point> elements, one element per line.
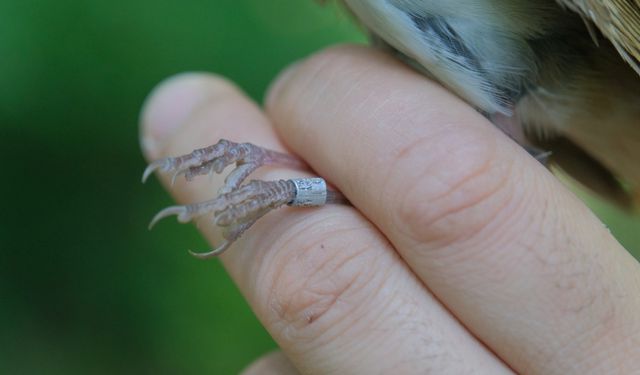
<point>84,287</point>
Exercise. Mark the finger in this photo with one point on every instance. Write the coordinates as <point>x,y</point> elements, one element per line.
<point>274,363</point>
<point>510,251</point>
<point>324,282</point>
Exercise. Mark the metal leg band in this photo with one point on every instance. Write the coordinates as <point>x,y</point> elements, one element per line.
<point>310,192</point>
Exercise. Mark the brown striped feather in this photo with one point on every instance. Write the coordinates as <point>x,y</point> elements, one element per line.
<point>618,20</point>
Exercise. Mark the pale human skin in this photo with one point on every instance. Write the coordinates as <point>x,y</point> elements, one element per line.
<point>461,253</point>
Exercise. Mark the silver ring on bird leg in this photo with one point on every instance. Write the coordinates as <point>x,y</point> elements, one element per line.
<point>310,192</point>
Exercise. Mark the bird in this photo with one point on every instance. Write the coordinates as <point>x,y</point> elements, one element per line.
<point>560,77</point>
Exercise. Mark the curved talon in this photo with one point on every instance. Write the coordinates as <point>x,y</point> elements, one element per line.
<point>163,164</point>
<point>179,211</point>
<point>213,253</point>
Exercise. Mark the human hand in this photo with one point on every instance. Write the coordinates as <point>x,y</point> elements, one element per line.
<point>461,253</point>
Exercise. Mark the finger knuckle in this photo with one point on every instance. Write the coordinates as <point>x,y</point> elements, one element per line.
<point>454,192</point>
<point>315,283</point>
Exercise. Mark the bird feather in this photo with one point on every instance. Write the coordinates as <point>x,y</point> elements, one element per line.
<point>618,20</point>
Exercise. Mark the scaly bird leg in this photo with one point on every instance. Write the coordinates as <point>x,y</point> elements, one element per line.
<point>237,208</point>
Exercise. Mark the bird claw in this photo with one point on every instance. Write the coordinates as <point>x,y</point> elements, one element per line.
<point>213,253</point>
<point>158,165</point>
<point>182,212</point>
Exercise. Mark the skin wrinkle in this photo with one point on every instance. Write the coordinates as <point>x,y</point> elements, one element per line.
<point>413,215</point>
<point>435,147</point>
<point>481,230</point>
<point>481,170</point>
<point>495,234</point>
<point>288,314</point>
<point>472,203</point>
<point>436,242</point>
<point>347,288</point>
<point>300,330</point>
<point>291,222</point>
<point>385,186</point>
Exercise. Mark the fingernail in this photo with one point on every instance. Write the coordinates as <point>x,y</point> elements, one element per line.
<point>274,91</point>
<point>169,105</point>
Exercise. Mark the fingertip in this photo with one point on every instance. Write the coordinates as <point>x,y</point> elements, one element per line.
<point>170,104</point>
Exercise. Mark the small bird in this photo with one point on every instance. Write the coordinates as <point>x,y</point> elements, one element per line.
<point>562,78</point>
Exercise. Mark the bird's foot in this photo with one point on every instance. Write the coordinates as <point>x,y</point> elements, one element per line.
<point>234,211</point>
<point>237,208</point>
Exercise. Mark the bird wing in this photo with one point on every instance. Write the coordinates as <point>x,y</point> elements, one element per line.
<point>618,20</point>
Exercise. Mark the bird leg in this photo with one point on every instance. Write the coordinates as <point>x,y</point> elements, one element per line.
<point>237,207</point>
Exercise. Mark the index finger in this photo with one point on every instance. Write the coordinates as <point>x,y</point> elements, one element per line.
<point>515,256</point>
